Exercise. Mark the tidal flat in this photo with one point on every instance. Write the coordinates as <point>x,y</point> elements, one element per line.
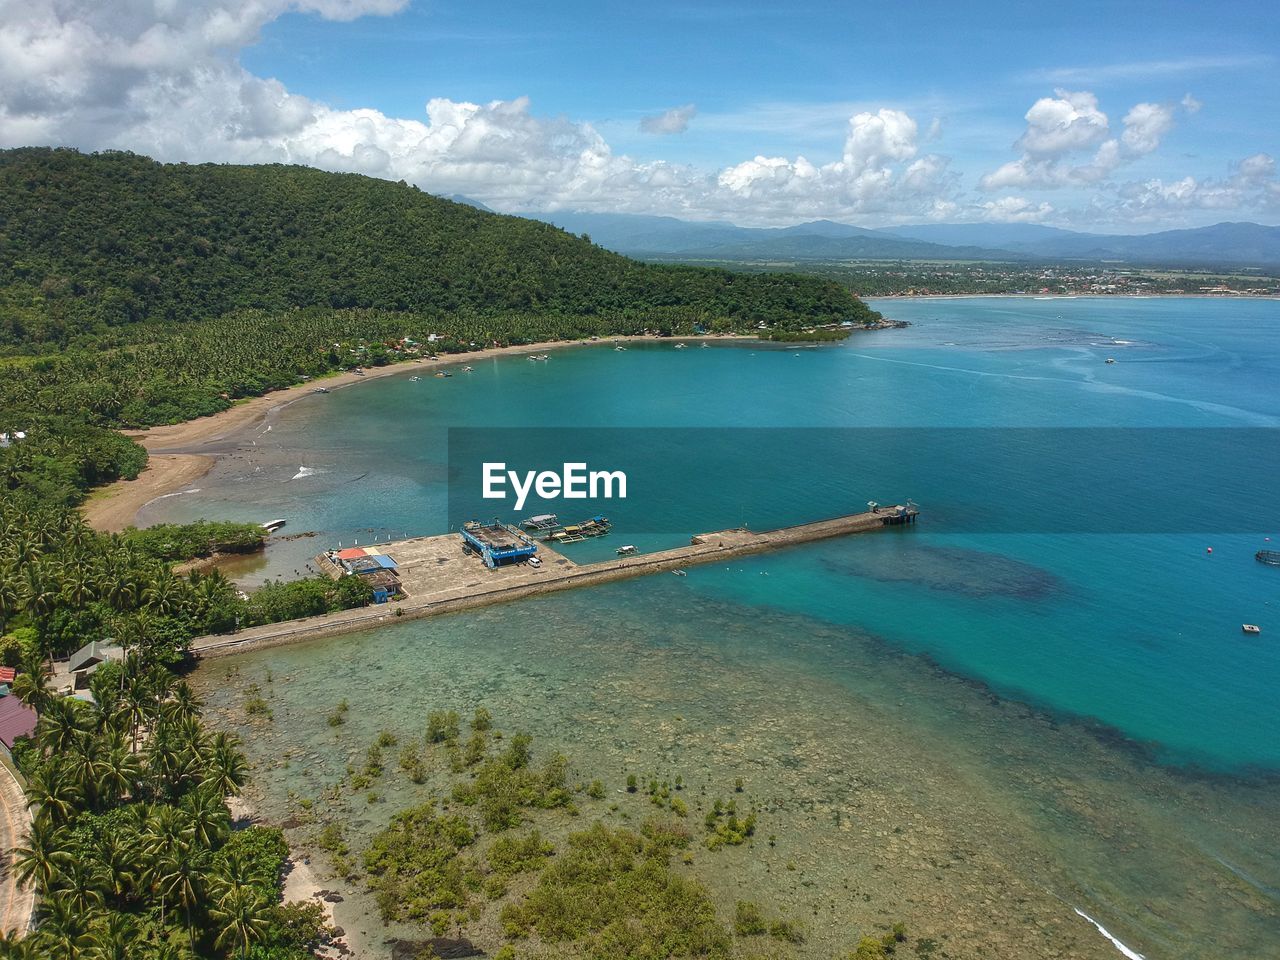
<point>886,790</point>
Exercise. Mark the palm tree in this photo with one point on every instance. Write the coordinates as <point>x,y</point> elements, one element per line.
<point>14,947</point>
<point>79,885</point>
<point>119,772</point>
<point>43,857</point>
<point>114,938</point>
<point>29,686</point>
<point>210,820</point>
<point>10,597</point>
<point>180,875</point>
<point>241,918</point>
<point>55,791</point>
<point>59,726</point>
<point>62,930</point>
<point>225,767</point>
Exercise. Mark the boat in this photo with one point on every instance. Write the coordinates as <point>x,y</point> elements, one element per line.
<point>320,390</point>
<point>273,525</point>
<point>1251,628</point>
<point>679,573</point>
<point>414,379</point>
<point>1269,557</point>
<point>466,369</point>
<point>619,348</point>
<point>680,346</point>
<point>543,521</point>
<point>626,551</point>
<point>705,345</point>
<point>1111,359</point>
<point>443,373</point>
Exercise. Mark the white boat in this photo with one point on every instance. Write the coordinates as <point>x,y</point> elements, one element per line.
<point>680,346</point>
<point>414,379</point>
<point>543,521</point>
<point>619,348</point>
<point>320,390</point>
<point>626,551</point>
<point>1111,359</point>
<point>679,573</point>
<point>466,369</point>
<point>1251,628</point>
<point>273,526</point>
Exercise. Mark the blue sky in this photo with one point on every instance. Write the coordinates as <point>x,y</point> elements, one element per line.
<point>1144,115</point>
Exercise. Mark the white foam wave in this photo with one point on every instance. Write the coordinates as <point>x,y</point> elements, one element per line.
<point>166,496</point>
<point>1116,942</point>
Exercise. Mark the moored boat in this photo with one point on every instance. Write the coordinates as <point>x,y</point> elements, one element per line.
<point>1269,557</point>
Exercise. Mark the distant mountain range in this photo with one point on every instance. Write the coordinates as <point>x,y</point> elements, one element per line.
<point>667,238</point>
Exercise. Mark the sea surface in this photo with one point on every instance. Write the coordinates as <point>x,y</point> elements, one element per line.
<point>980,733</point>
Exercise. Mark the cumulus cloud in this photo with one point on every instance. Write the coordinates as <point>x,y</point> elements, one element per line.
<point>675,120</point>
<point>1252,183</point>
<point>162,77</point>
<point>1061,128</point>
<point>1015,210</point>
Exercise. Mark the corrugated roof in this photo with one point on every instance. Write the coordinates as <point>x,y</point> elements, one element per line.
<point>352,553</point>
<point>7,674</point>
<point>16,720</point>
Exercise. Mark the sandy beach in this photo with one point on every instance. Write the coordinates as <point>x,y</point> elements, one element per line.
<point>181,453</point>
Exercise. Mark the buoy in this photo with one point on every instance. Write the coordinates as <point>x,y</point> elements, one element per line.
<point>1209,549</point>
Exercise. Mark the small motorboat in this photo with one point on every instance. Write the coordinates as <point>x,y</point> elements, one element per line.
<point>443,373</point>
<point>466,369</point>
<point>1252,629</point>
<point>679,573</point>
<point>680,346</point>
<point>626,551</point>
<point>1111,359</point>
<point>619,348</point>
<point>320,390</point>
<point>414,379</point>
<point>273,525</point>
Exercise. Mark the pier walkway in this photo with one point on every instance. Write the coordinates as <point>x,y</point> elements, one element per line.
<point>438,578</point>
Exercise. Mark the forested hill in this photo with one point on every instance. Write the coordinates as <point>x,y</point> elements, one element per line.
<point>88,241</point>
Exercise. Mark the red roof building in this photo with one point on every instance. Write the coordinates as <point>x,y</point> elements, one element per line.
<point>16,720</point>
<point>7,674</point>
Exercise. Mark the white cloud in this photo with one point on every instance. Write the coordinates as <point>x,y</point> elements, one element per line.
<point>1015,210</point>
<point>1147,69</point>
<point>1061,124</point>
<point>1144,126</point>
<point>162,77</point>
<point>1251,184</point>
<point>1062,127</point>
<point>675,120</point>
<point>1190,103</point>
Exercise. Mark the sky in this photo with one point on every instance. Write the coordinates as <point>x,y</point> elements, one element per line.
<point>1106,116</point>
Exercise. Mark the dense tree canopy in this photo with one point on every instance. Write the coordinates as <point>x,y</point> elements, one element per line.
<point>95,241</point>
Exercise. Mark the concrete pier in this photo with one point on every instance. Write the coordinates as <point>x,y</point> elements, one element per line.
<point>439,578</point>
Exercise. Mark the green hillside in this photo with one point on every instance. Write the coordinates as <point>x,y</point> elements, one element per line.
<point>89,242</point>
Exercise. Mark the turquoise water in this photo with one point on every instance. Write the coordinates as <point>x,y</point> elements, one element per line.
<point>1138,634</point>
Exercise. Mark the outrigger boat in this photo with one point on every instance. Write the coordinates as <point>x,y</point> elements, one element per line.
<point>543,521</point>
<point>626,551</point>
<point>575,533</point>
<point>1269,557</point>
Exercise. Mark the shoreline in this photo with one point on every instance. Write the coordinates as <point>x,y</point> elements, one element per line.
<point>1068,296</point>
<point>176,458</point>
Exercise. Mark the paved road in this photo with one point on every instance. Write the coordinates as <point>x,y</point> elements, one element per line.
<point>16,903</point>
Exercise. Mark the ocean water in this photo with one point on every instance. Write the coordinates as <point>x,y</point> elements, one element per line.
<point>1079,711</point>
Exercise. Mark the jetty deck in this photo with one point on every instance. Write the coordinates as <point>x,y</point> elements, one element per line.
<point>438,577</point>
